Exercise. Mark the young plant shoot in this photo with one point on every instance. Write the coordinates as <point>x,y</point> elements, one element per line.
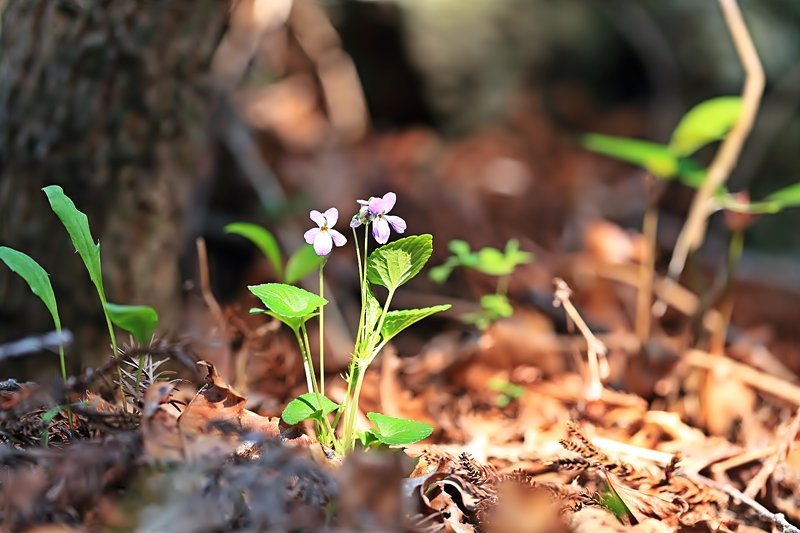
<point>389,266</point>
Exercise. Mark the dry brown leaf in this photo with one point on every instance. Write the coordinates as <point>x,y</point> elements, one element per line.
<point>160,435</point>
<point>642,505</point>
<point>215,406</point>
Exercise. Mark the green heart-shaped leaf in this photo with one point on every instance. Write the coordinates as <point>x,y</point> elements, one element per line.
<point>306,406</point>
<point>397,321</point>
<point>396,431</point>
<point>140,320</point>
<point>287,301</point>
<point>395,263</point>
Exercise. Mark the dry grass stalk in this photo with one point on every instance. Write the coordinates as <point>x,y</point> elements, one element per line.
<point>703,204</point>
<point>596,350</point>
<point>784,448</point>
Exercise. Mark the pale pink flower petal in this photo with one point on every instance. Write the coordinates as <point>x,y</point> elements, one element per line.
<point>323,243</point>
<point>331,216</point>
<point>380,230</point>
<point>397,223</point>
<point>310,235</point>
<point>318,217</point>
<point>338,238</point>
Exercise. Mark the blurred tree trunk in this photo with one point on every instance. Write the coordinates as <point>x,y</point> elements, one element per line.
<point>107,98</point>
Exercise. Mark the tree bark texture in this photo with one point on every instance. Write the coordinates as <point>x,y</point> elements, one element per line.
<point>108,99</point>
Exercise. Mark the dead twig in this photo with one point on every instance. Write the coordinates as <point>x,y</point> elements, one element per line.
<point>760,380</point>
<point>776,518</point>
<point>205,283</point>
<point>596,350</point>
<point>703,204</point>
<point>783,449</point>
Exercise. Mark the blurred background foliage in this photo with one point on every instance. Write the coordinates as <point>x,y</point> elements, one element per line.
<point>167,121</point>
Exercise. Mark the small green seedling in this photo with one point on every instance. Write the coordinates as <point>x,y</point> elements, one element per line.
<point>389,266</point>
<point>492,262</point>
<point>508,391</point>
<point>300,264</point>
<point>139,320</point>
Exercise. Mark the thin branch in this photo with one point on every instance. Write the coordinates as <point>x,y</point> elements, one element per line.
<point>691,235</point>
<point>595,349</point>
<point>760,380</point>
<point>205,283</point>
<point>776,518</point>
<point>782,451</point>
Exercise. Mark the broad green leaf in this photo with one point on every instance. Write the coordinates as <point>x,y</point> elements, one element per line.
<point>35,276</point>
<point>302,263</point>
<point>395,431</point>
<point>140,320</point>
<point>261,238</point>
<point>706,122</point>
<point>287,300</point>
<point>306,406</point>
<point>786,197</point>
<point>656,158</point>
<point>78,228</point>
<point>395,263</point>
<point>397,321</point>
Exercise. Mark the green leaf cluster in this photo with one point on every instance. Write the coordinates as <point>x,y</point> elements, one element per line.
<point>489,261</point>
<point>493,308</point>
<point>705,123</point>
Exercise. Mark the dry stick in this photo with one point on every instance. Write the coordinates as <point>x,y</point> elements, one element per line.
<point>776,518</point>
<point>760,380</point>
<point>703,204</point>
<point>786,445</point>
<point>205,283</point>
<point>648,264</point>
<point>594,348</point>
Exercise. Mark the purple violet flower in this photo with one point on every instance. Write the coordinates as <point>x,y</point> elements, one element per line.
<point>324,237</point>
<point>363,216</point>
<point>378,207</point>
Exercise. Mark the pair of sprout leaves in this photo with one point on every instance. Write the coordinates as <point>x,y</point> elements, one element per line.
<point>705,123</point>
<point>389,266</point>
<point>139,320</point>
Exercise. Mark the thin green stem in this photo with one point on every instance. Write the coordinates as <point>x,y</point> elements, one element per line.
<point>350,441</point>
<point>306,362</point>
<point>64,376</point>
<point>502,285</point>
<point>363,295</point>
<point>377,331</point>
<point>321,331</point>
<point>116,356</point>
<point>327,431</point>
<point>735,248</point>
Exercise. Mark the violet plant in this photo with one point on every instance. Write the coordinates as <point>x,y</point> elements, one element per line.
<point>389,266</point>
